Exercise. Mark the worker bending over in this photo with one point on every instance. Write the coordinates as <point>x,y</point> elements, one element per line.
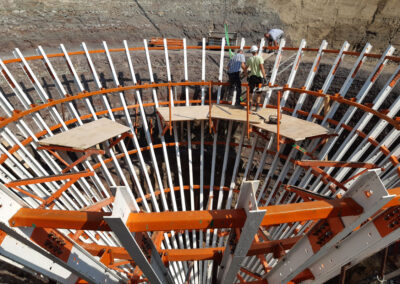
<point>257,72</point>
<point>273,37</point>
<point>236,63</point>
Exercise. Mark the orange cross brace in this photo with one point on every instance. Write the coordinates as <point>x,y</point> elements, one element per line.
<point>73,177</point>
<point>123,136</point>
<point>87,153</point>
<point>194,254</point>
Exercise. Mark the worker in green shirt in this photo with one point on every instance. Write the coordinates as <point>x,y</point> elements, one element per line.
<point>257,72</point>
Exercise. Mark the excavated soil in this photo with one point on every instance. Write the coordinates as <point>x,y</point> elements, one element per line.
<point>29,23</point>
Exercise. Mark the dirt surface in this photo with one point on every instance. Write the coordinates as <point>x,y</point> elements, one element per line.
<point>28,23</point>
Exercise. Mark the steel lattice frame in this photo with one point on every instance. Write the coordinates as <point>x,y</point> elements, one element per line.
<point>301,222</point>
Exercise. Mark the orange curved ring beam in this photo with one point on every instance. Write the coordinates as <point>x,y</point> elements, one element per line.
<point>35,108</point>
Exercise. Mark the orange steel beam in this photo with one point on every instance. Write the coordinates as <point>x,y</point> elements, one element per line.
<point>276,214</point>
<point>328,177</point>
<point>67,149</point>
<point>336,164</point>
<point>250,273</point>
<point>209,47</point>
<point>57,156</point>
<point>51,178</point>
<point>28,193</point>
<point>304,151</point>
<point>304,193</point>
<point>86,152</point>
<point>99,205</point>
<point>395,201</point>
<point>58,193</point>
<point>261,257</point>
<point>167,126</point>
<point>240,278</point>
<point>194,254</point>
<point>73,177</point>
<point>187,220</point>
<point>95,208</point>
<point>350,102</point>
<point>19,114</point>
<point>185,187</point>
<point>372,141</point>
<point>123,136</point>
<point>356,175</point>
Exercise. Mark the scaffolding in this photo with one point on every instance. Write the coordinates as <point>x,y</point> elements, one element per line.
<point>140,207</point>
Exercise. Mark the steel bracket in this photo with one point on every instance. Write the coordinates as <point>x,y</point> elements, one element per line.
<point>369,192</point>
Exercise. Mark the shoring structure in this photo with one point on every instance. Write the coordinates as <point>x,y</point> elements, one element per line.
<point>160,207</point>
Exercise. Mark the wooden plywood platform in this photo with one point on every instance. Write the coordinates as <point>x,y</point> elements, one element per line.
<point>291,127</point>
<point>86,136</point>
<point>184,113</point>
<point>229,112</point>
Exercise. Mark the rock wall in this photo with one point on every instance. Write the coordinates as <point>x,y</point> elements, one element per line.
<point>28,23</point>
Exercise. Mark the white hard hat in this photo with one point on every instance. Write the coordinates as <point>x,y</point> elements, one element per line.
<point>254,48</point>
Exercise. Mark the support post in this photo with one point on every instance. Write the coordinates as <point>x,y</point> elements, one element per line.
<point>170,107</point>
<point>154,270</point>
<point>209,106</point>
<point>278,117</point>
<point>248,111</point>
<point>235,253</point>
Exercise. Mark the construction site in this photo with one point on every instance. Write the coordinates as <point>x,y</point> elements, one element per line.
<point>125,159</point>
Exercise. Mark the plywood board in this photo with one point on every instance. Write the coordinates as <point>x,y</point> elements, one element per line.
<point>184,113</point>
<point>291,127</point>
<point>229,112</point>
<point>86,136</point>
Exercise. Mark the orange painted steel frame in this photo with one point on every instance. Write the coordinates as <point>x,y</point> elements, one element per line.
<point>336,164</point>
<point>195,254</point>
<point>19,114</point>
<point>394,122</point>
<point>316,171</point>
<point>87,153</point>
<point>85,94</point>
<point>383,149</point>
<point>193,220</point>
<point>210,47</point>
<point>73,177</point>
<point>304,193</point>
